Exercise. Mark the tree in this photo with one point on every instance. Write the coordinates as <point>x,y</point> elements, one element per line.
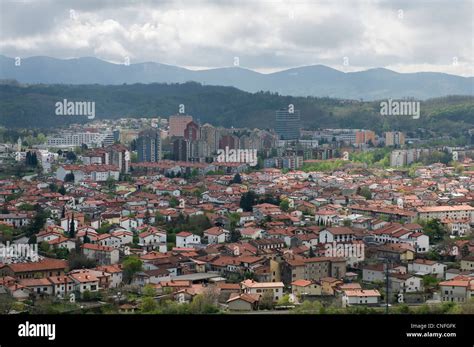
<point>53,187</point>
<point>71,156</point>
<point>435,230</point>
<point>148,305</point>
<point>266,301</point>
<point>77,260</point>
<point>285,205</point>
<point>234,235</point>
<point>6,303</point>
<point>311,252</point>
<point>86,238</point>
<point>366,193</point>
<point>237,179</point>
<point>465,251</point>
<point>72,228</point>
<point>205,303</point>
<point>146,219</point>
<point>284,300</point>
<point>69,177</point>
<point>110,182</point>
<point>173,202</point>
<point>44,247</point>
<point>130,266</point>
<point>149,290</point>
<point>61,189</point>
<point>248,200</point>
<point>38,221</point>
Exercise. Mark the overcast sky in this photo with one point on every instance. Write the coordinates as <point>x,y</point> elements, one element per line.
<point>404,36</point>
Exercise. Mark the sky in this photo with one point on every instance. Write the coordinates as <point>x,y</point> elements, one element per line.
<point>265,36</point>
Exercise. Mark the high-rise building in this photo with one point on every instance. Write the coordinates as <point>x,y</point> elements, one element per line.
<point>191,132</point>
<point>178,123</point>
<point>209,134</point>
<point>364,137</point>
<point>230,141</point>
<point>287,124</point>
<point>181,149</point>
<point>119,156</point>
<point>394,138</point>
<point>149,146</point>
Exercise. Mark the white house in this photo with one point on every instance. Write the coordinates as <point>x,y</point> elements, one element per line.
<point>116,274</point>
<point>125,237</point>
<point>62,285</point>
<point>153,239</point>
<point>353,297</point>
<point>405,283</point>
<point>252,287</point>
<point>250,232</point>
<point>84,281</point>
<point>216,235</point>
<point>427,267</point>
<point>103,255</point>
<point>336,234</point>
<point>186,239</point>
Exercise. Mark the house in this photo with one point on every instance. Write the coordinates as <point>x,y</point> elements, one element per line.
<point>377,272</point>
<point>38,286</point>
<point>458,212</point>
<point>261,211</point>
<point>43,268</point>
<point>251,233</point>
<point>467,264</point>
<point>312,269</point>
<point>17,291</point>
<point>458,289</point>
<point>252,287</point>
<point>243,302</point>
<point>356,297</point>
<point>16,219</point>
<point>94,172</point>
<point>62,285</point>
<point>427,267</point>
<point>329,285</point>
<point>116,274</point>
<point>152,239</point>
<point>84,281</point>
<point>108,240</point>
<point>405,283</point>
<point>399,252</point>
<point>336,234</point>
<point>186,239</point>
<point>305,288</point>
<point>216,235</point>
<point>62,242</point>
<point>125,237</point>
<point>103,255</point>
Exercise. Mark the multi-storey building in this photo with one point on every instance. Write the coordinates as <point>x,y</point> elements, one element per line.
<point>149,146</point>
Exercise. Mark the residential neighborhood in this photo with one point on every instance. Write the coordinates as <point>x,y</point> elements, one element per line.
<point>119,236</point>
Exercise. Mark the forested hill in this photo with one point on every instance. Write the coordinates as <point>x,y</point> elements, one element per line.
<point>34,106</point>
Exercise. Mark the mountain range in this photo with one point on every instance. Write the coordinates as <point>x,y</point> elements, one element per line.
<point>315,80</point>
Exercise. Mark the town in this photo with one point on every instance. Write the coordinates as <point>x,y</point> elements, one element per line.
<point>168,215</point>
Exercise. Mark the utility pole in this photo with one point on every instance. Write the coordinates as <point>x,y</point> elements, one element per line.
<point>387,286</point>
